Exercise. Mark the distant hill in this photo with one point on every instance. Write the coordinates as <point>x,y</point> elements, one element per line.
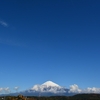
<point>86,97</point>
<point>75,97</point>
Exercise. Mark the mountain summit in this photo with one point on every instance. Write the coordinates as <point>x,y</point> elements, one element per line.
<point>48,86</point>
<point>50,83</point>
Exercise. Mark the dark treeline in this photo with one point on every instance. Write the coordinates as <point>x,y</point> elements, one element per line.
<point>75,97</point>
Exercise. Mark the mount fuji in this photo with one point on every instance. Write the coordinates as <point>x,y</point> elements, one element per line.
<point>48,88</point>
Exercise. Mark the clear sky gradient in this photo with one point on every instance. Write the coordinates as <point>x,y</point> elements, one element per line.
<point>57,40</point>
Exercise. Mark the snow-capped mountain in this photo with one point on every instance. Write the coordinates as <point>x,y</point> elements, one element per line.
<point>50,83</point>
<point>46,89</point>
<point>48,86</point>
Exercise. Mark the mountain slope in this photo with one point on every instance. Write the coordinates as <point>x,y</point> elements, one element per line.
<point>48,88</point>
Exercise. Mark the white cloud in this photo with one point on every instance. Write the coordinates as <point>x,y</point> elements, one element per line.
<point>92,90</point>
<point>1,89</point>
<point>75,89</point>
<point>3,23</point>
<point>16,88</point>
<point>7,90</point>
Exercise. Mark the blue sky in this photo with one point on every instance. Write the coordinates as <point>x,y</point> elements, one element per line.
<point>57,40</point>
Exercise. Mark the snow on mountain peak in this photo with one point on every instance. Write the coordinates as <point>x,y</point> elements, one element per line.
<point>50,83</point>
<point>47,87</point>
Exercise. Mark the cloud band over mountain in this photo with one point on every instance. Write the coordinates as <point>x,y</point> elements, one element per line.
<point>52,87</point>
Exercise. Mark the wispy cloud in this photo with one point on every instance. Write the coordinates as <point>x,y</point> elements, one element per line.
<point>12,42</point>
<point>6,90</point>
<point>16,88</point>
<point>3,24</point>
<point>1,89</point>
